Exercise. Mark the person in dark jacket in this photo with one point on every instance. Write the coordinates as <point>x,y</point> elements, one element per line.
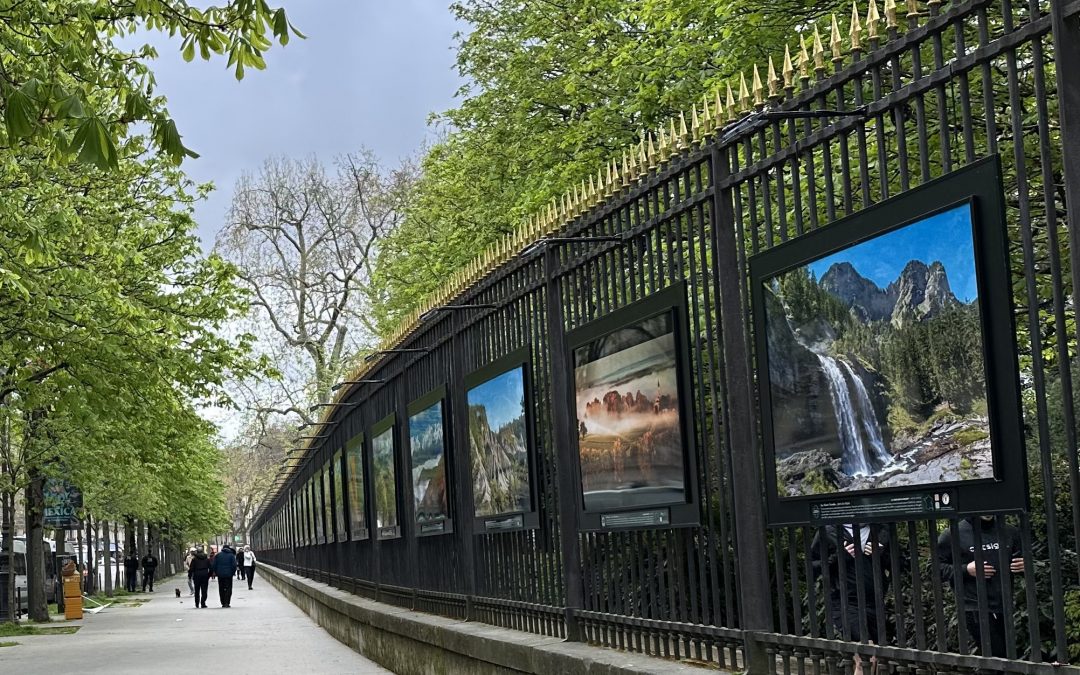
<point>149,566</point>
<point>963,574</point>
<point>225,567</point>
<point>199,569</point>
<point>131,571</point>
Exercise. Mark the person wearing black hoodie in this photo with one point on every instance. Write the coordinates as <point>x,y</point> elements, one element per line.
<point>149,566</point>
<point>131,571</point>
<point>992,539</point>
<point>199,569</point>
<point>834,541</point>
<point>225,568</point>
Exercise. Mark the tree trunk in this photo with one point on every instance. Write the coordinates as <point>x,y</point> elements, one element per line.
<point>119,556</point>
<point>80,557</point>
<point>7,505</point>
<point>140,531</point>
<point>58,589</point>
<point>91,580</point>
<point>37,606</point>
<point>107,560</point>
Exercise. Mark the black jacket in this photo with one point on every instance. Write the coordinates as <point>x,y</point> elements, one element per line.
<point>992,542</point>
<point>225,563</point>
<point>200,563</point>
<point>149,562</point>
<point>131,563</point>
<point>827,549</point>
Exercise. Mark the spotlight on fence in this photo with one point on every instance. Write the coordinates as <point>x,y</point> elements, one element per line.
<point>540,244</point>
<point>374,355</point>
<point>331,405</point>
<point>430,314</point>
<point>339,385</point>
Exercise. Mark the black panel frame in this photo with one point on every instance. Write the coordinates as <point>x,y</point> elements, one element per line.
<point>437,395</point>
<point>386,423</point>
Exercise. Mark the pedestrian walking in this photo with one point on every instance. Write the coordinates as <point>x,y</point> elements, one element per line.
<point>224,568</point>
<point>187,566</point>
<point>199,572</point>
<point>213,554</point>
<point>249,565</point>
<point>992,540</point>
<point>131,571</point>
<point>240,562</point>
<point>149,566</point>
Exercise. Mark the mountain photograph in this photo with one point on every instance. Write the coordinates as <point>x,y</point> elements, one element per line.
<point>629,434</point>
<point>498,445</point>
<point>875,364</point>
<point>427,448</point>
<point>382,455</point>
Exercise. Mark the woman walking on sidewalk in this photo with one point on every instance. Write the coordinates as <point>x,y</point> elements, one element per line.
<point>199,569</point>
<point>249,565</point>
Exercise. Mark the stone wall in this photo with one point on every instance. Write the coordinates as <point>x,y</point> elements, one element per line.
<point>413,643</point>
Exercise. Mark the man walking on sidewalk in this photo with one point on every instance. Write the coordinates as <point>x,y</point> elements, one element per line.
<point>225,568</point>
<point>149,566</point>
<point>131,571</point>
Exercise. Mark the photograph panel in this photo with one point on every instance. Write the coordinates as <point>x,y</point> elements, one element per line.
<point>498,444</point>
<point>328,503</point>
<point>629,430</point>
<point>382,454</point>
<point>354,457</point>
<point>876,367</point>
<point>427,443</point>
<point>339,495</point>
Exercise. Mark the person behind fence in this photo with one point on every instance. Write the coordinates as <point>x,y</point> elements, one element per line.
<point>249,565</point>
<point>224,568</point>
<point>992,539</point>
<point>857,551</point>
<point>131,571</point>
<point>199,572</point>
<point>149,566</point>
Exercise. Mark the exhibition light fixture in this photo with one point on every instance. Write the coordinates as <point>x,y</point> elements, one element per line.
<point>540,244</point>
<point>430,314</point>
<point>339,385</point>
<point>750,121</point>
<point>316,437</point>
<point>305,425</point>
<point>331,405</point>
<point>411,350</point>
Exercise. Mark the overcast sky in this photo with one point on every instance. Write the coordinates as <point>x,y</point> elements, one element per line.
<point>369,74</point>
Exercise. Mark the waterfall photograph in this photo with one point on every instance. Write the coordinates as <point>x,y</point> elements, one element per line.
<point>498,444</point>
<point>875,363</point>
<point>385,477</point>
<point>428,451</point>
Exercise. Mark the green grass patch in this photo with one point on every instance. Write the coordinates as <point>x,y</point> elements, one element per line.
<point>19,629</point>
<point>969,436</point>
<point>8,644</point>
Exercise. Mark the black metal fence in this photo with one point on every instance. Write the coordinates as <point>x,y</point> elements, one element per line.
<point>900,100</point>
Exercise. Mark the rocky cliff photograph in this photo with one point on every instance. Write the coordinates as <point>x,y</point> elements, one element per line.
<point>629,431</point>
<point>498,445</point>
<point>427,447</point>
<point>875,363</point>
<point>354,458</point>
<point>386,508</point>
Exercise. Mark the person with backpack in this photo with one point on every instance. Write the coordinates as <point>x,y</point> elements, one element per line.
<point>149,566</point>
<point>963,574</point>
<point>224,568</point>
<point>199,572</point>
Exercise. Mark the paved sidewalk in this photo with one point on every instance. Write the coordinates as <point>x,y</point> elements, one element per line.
<point>262,634</point>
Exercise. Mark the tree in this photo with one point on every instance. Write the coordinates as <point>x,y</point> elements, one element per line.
<point>303,239</point>
<point>250,465</point>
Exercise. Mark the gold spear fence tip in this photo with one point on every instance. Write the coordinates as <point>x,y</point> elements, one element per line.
<point>872,20</point>
<point>804,57</point>
<point>913,9</point>
<point>788,69</point>
<point>719,119</point>
<point>856,29</point>
<point>890,14</point>
<point>835,42</point>
<point>819,51</point>
<point>695,122</point>
<point>744,94</point>
<point>651,153</point>
<point>684,132</point>
<point>774,81</point>
<point>757,88</point>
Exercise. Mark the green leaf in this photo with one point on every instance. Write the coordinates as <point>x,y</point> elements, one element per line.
<point>189,49</point>
<point>70,107</point>
<point>95,145</point>
<point>19,115</point>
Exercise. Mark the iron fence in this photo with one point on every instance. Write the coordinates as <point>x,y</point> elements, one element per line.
<point>905,98</point>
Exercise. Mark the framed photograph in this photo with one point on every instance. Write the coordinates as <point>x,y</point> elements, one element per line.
<point>887,363</point>
<point>384,468</point>
<point>631,401</point>
<point>354,457</point>
<point>338,478</point>
<point>328,503</point>
<point>430,475</point>
<point>317,509</point>
<point>500,444</point>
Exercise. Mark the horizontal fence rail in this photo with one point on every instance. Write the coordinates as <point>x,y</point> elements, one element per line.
<point>940,88</point>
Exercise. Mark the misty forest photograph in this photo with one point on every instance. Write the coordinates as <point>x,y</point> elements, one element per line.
<point>382,455</point>
<point>629,432</point>
<point>498,445</point>
<point>354,456</point>
<point>427,447</point>
<point>875,363</point>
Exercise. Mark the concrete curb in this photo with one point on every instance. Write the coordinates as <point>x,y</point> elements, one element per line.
<point>410,642</point>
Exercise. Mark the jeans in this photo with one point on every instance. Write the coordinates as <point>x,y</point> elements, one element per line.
<point>249,573</point>
<point>996,624</point>
<point>240,572</point>
<point>130,579</point>
<point>202,582</point>
<point>190,584</point>
<point>224,587</point>
<point>148,578</point>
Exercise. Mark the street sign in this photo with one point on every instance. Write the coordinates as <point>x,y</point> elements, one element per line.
<point>63,501</point>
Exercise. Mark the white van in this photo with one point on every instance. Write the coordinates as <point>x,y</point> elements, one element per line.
<point>21,588</point>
